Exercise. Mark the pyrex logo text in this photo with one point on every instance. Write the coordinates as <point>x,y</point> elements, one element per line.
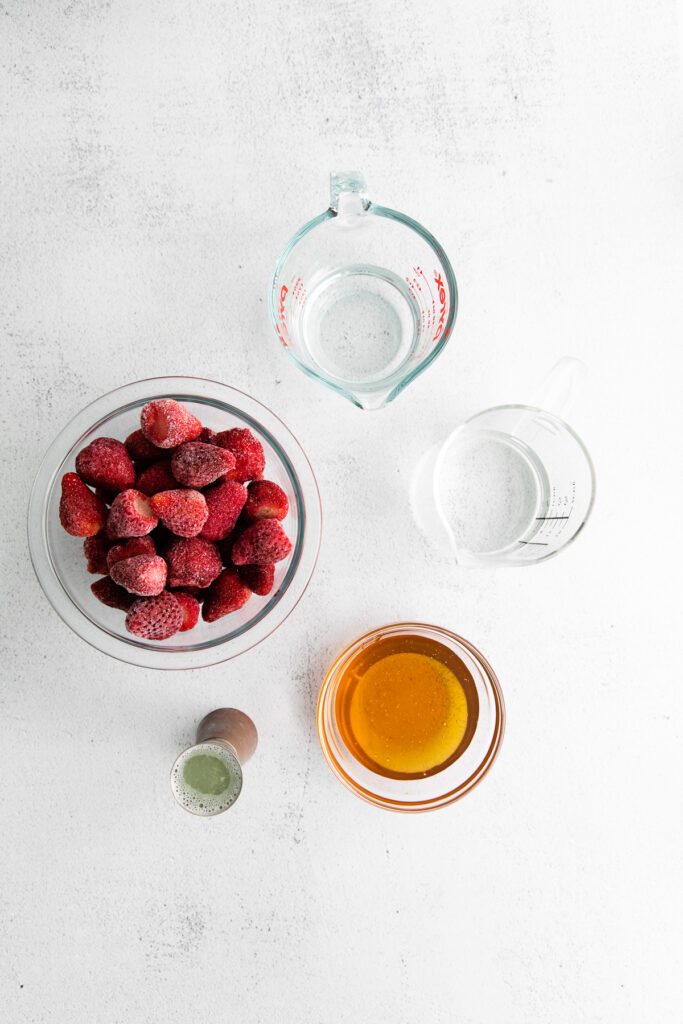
<point>282,334</point>
<point>442,300</point>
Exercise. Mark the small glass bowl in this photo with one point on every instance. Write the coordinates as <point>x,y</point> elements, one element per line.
<point>58,558</point>
<point>458,778</point>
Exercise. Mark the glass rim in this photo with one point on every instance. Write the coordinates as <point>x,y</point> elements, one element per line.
<point>328,691</point>
<point>194,746</point>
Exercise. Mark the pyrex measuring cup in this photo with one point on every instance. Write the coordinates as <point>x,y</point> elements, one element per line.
<point>510,486</point>
<point>363,298</point>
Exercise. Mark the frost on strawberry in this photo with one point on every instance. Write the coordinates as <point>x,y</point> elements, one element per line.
<point>261,543</point>
<point>133,546</point>
<point>130,515</point>
<point>183,512</point>
<point>155,618</point>
<point>167,423</point>
<point>106,463</point>
<point>81,513</point>
<point>197,465</point>
<point>155,478</point>
<point>144,575</point>
<point>248,451</point>
<point>192,562</point>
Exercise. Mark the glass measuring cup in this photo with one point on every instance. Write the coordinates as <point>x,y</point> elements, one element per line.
<point>512,485</point>
<point>362,298</point>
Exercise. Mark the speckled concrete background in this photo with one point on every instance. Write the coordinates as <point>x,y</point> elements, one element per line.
<point>155,158</point>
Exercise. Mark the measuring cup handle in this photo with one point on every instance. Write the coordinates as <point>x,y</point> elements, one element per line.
<point>348,192</point>
<point>559,388</point>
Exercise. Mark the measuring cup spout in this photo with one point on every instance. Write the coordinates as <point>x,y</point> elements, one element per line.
<point>348,193</point>
<point>371,400</point>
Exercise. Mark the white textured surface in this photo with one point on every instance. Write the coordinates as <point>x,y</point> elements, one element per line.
<point>156,156</point>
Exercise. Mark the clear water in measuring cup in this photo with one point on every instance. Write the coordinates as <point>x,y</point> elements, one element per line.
<point>493,491</point>
<point>360,324</point>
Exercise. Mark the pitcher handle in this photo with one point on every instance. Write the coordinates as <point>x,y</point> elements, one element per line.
<point>560,386</point>
<point>348,192</point>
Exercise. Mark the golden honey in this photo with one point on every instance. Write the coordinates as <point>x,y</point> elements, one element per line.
<point>406,706</point>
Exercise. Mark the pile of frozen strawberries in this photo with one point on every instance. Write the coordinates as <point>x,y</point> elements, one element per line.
<point>175,517</point>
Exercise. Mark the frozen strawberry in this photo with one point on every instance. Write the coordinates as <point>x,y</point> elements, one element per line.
<point>106,463</point>
<point>261,543</point>
<point>155,618</point>
<point>226,594</point>
<point>81,513</point>
<point>167,423</point>
<point>265,500</point>
<point>190,608</point>
<point>106,495</point>
<point>197,592</point>
<point>207,436</point>
<point>224,502</point>
<point>248,452</point>
<point>192,562</point>
<point>157,477</point>
<point>183,512</point>
<point>196,465</point>
<point>140,449</point>
<point>259,578</point>
<point>225,547</point>
<point>144,575</point>
<point>95,550</point>
<point>134,546</point>
<point>111,594</point>
<point>130,515</point>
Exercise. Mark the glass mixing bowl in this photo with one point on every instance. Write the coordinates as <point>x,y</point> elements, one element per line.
<point>432,791</point>
<point>58,558</point>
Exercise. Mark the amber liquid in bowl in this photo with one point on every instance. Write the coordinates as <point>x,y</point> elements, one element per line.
<point>406,707</point>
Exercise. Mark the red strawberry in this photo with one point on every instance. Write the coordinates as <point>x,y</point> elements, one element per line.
<point>224,502</point>
<point>134,546</point>
<point>144,575</point>
<point>226,594</point>
<point>182,512</point>
<point>106,463</point>
<point>196,465</point>
<point>105,494</point>
<point>140,449</point>
<point>192,562</point>
<point>109,593</point>
<point>207,436</point>
<point>197,592</point>
<point>259,578</point>
<point>155,618</point>
<point>81,513</point>
<point>248,452</point>
<point>261,543</point>
<point>157,477</point>
<point>95,550</point>
<point>167,423</point>
<point>265,500</point>
<point>130,515</point>
<point>190,608</point>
